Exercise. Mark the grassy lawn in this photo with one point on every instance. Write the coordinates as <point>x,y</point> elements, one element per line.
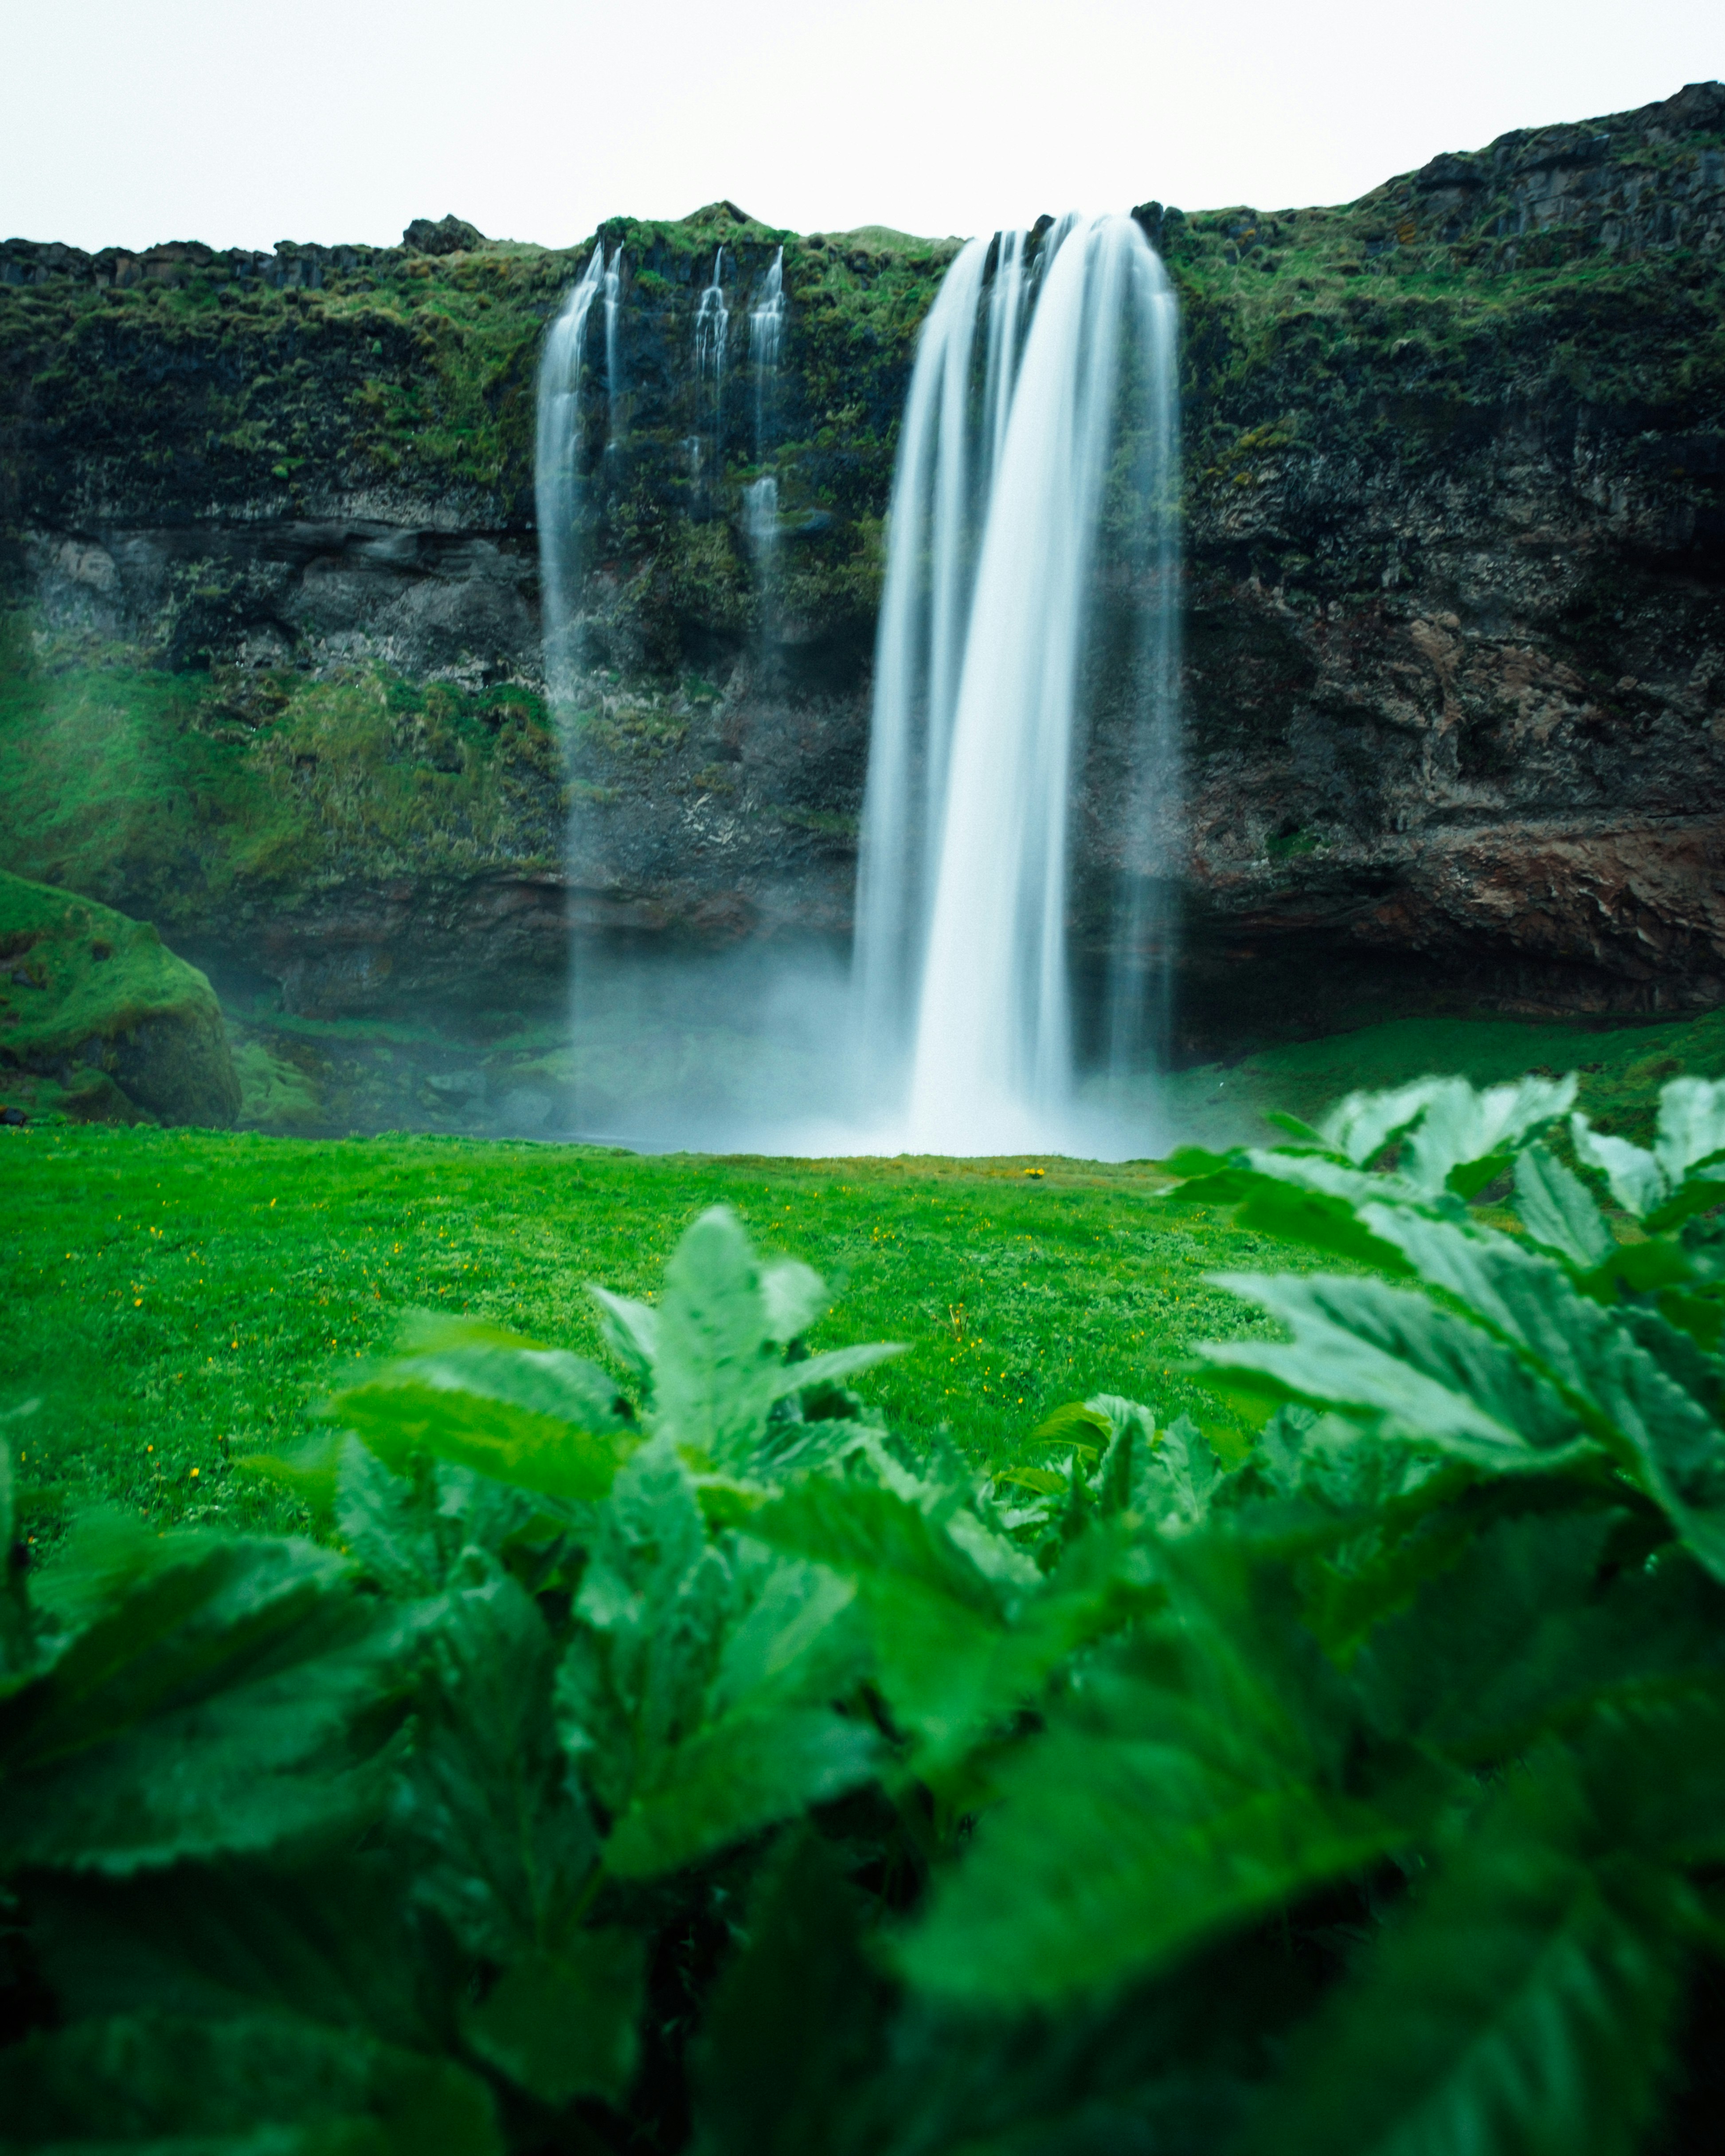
<point>180,1302</point>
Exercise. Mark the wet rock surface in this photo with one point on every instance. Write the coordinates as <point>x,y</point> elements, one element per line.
<point>1455,588</point>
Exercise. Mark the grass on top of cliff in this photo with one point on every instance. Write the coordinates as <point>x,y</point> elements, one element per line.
<point>414,366</point>
<point>179,1302</point>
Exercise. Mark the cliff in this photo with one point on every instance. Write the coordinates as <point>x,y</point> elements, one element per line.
<point>1455,646</point>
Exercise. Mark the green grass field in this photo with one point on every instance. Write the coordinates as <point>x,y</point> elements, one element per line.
<point>179,1302</point>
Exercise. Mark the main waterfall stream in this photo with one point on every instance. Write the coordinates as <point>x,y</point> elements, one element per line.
<point>1037,471</point>
<point>1012,940</point>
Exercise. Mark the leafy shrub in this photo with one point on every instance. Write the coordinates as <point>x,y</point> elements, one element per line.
<point>687,1764</point>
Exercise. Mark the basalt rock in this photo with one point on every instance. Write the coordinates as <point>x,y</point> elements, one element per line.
<point>1455,592</point>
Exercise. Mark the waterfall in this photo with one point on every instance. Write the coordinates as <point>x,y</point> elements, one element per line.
<point>760,519</point>
<point>1029,469</point>
<point>557,474</point>
<point>712,323</point>
<point>766,335</point>
<point>613,294</point>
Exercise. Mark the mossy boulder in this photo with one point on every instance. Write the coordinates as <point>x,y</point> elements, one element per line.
<point>99,1021</point>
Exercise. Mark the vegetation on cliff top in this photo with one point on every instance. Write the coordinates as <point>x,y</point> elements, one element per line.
<point>399,366</point>
<point>300,380</point>
<point>1473,284</point>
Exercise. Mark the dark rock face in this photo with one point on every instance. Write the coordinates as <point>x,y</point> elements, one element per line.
<point>448,235</point>
<point>1454,581</point>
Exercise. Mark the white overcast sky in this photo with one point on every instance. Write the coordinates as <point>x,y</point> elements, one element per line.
<point>240,122</point>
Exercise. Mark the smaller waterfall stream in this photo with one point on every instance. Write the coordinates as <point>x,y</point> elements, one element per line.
<point>557,473</point>
<point>766,336</point>
<point>712,328</point>
<point>1021,466</point>
<point>760,498</point>
<point>613,285</point>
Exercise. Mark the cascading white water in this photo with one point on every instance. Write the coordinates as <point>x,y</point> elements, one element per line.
<point>557,473</point>
<point>712,326</point>
<point>1010,461</point>
<point>760,519</point>
<point>766,336</point>
<point>613,296</point>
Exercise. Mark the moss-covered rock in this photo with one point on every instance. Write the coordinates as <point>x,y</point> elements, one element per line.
<point>99,1021</point>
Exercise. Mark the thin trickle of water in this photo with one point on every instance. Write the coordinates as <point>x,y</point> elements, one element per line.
<point>766,336</point>
<point>613,380</point>
<point>961,975</point>
<point>557,474</point>
<point>760,525</point>
<point>712,328</point>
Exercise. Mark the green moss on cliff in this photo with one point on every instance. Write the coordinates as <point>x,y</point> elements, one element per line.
<point>1385,327</point>
<point>184,796</point>
<point>410,369</point>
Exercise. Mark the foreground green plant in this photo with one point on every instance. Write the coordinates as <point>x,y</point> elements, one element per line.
<point>691,1764</point>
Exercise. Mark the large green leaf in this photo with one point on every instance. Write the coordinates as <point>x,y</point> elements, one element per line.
<point>715,1342</point>
<point>1528,1631</point>
<point>535,1417</point>
<point>1683,1174</point>
<point>1192,1782</point>
<point>718,1362</point>
<point>1650,1420</point>
<point>651,1615</point>
<point>408,1531</point>
<point>1557,1210</point>
<point>231,1700</point>
<point>1676,1447</point>
<point>565,2024</point>
<point>1109,1856</point>
<point>697,1696</point>
<point>1523,2007</point>
<point>1304,1198</point>
<point>631,1329</point>
<point>1691,1127</point>
<point>254,2088</point>
<point>1523,1295</point>
<point>500,1840</point>
<point>745,1770</point>
<point>106,1554</point>
<point>1465,1136</point>
<point>1637,1181</point>
<point>863,1530</point>
<point>334,1941</point>
<point>1417,1371</point>
<point>1361,1126</point>
<point>936,1621</point>
<point>798,2022</point>
<point>1651,1763</point>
